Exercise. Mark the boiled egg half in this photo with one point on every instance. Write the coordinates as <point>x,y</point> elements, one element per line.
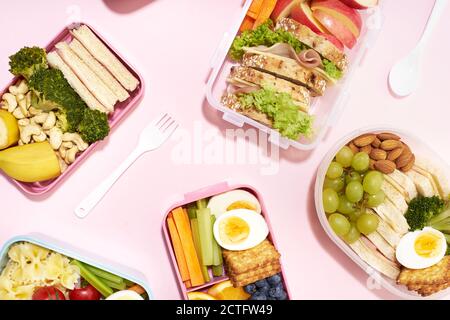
<point>421,249</point>
<point>240,229</point>
<point>125,295</point>
<point>231,200</point>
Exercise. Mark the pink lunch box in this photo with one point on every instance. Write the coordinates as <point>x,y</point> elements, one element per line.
<point>206,193</point>
<point>121,110</point>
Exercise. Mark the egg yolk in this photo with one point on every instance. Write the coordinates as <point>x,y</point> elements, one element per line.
<point>427,245</point>
<point>241,205</point>
<point>234,230</point>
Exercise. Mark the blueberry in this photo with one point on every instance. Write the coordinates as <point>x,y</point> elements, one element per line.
<point>262,283</point>
<point>275,292</point>
<point>258,296</point>
<point>283,296</point>
<point>250,288</point>
<point>274,280</point>
<point>271,298</point>
<point>264,290</point>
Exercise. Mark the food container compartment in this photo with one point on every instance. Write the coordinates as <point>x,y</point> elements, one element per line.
<point>74,253</point>
<point>326,109</point>
<point>120,111</point>
<point>418,147</point>
<point>206,193</point>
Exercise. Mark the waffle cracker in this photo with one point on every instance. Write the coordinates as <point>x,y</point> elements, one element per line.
<point>436,275</point>
<point>428,290</point>
<point>244,279</point>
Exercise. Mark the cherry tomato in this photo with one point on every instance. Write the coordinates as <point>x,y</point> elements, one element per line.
<point>48,293</point>
<point>85,293</point>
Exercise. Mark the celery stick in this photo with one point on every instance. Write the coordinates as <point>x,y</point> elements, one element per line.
<point>105,275</point>
<point>217,270</point>
<point>217,251</point>
<point>92,279</point>
<point>197,245</point>
<point>206,236</point>
<point>114,285</point>
<point>201,204</point>
<point>192,211</point>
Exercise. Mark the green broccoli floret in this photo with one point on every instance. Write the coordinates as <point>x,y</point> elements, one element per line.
<point>94,126</point>
<point>421,210</point>
<point>27,61</point>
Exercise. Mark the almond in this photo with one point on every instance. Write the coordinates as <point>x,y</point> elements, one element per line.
<point>387,136</point>
<point>390,144</point>
<point>372,164</point>
<point>378,154</point>
<point>385,166</point>
<point>406,148</point>
<point>394,154</point>
<point>364,140</point>
<point>404,160</point>
<point>367,149</point>
<point>376,143</point>
<point>354,148</point>
<point>409,166</point>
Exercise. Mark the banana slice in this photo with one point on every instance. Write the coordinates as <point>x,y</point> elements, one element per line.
<point>9,130</point>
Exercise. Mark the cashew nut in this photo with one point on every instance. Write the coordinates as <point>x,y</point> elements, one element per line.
<point>55,135</point>
<point>11,101</point>
<point>28,131</point>
<point>62,163</point>
<point>4,105</point>
<point>50,121</point>
<point>40,138</point>
<point>34,112</point>
<point>28,99</point>
<point>17,113</point>
<point>23,106</point>
<point>76,138</point>
<point>21,88</point>
<point>71,154</point>
<point>63,148</point>
<point>40,118</point>
<point>23,122</point>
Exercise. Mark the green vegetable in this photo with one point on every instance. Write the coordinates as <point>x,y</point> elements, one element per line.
<point>217,270</point>
<point>92,279</point>
<point>421,210</point>
<point>192,211</point>
<point>202,203</point>
<point>105,275</point>
<point>197,245</point>
<point>441,221</point>
<point>114,285</point>
<point>280,107</point>
<point>206,236</point>
<point>217,251</point>
<point>94,126</point>
<point>266,36</point>
<point>27,61</point>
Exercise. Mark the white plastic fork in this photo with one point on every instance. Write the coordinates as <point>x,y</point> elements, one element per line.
<point>151,138</point>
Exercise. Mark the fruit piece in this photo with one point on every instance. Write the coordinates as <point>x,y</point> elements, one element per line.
<point>338,44</point>
<point>277,292</point>
<point>364,140</point>
<point>85,293</point>
<point>378,154</point>
<point>274,280</point>
<point>30,163</point>
<point>360,4</point>
<point>283,9</point>
<point>335,184</point>
<point>360,162</point>
<point>330,200</point>
<point>259,296</point>
<point>372,182</point>
<point>390,144</point>
<point>48,293</point>
<point>335,170</point>
<point>302,14</point>
<point>247,24</point>
<point>262,284</point>
<point>387,136</point>
<point>199,296</point>
<point>353,235</point>
<point>345,206</point>
<point>336,28</point>
<point>345,156</point>
<point>410,165</point>
<point>250,288</point>
<point>367,223</point>
<point>353,176</point>
<point>354,191</point>
<point>353,217</point>
<point>349,17</point>
<point>374,200</point>
<point>255,8</point>
<point>9,130</point>
<point>265,12</point>
<point>225,291</point>
<point>340,224</point>
<point>385,166</point>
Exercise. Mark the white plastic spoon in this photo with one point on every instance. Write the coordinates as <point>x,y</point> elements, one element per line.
<point>404,75</point>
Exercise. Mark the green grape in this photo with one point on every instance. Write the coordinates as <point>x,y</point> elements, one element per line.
<point>372,182</point>
<point>335,170</point>
<point>374,200</point>
<point>353,176</point>
<point>345,206</point>
<point>353,217</point>
<point>361,162</point>
<point>345,157</point>
<point>330,200</point>
<point>339,224</point>
<point>367,223</point>
<point>335,184</point>
<point>353,235</point>
<point>354,191</point>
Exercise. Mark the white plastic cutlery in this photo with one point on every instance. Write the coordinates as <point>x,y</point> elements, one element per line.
<point>153,136</point>
<point>405,74</point>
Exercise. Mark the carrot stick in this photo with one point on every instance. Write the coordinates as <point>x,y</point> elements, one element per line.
<point>247,24</point>
<point>178,249</point>
<point>184,231</point>
<point>255,8</point>
<point>265,12</point>
<point>137,288</point>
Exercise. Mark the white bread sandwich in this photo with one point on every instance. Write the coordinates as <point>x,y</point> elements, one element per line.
<point>439,175</point>
<point>388,212</point>
<point>403,184</point>
<point>382,245</point>
<point>423,185</point>
<point>396,197</point>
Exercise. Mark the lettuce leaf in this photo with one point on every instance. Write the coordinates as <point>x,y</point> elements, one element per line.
<point>281,108</point>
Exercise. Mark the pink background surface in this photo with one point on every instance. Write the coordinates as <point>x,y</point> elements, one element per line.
<point>171,42</point>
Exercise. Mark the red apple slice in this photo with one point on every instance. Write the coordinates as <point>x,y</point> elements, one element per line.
<point>348,16</point>
<point>336,28</point>
<point>361,4</point>
<point>302,14</point>
<point>283,9</point>
<point>338,44</point>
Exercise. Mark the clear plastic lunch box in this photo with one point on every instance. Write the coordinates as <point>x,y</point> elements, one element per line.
<point>74,253</point>
<point>418,147</point>
<point>325,109</point>
<point>120,110</point>
<point>205,193</point>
